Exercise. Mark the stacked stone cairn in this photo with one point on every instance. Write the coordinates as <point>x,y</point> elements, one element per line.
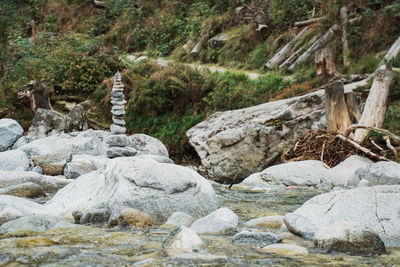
<point>118,141</point>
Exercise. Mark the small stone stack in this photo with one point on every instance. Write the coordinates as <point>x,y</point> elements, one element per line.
<point>118,141</point>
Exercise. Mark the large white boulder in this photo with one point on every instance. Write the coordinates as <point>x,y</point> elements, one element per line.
<point>10,131</point>
<point>237,143</point>
<point>14,160</point>
<point>376,207</point>
<point>83,164</point>
<point>340,174</point>
<point>379,173</point>
<point>159,189</point>
<point>298,173</point>
<point>350,237</point>
<point>47,183</point>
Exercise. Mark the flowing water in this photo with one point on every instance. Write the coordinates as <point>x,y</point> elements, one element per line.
<point>94,246</point>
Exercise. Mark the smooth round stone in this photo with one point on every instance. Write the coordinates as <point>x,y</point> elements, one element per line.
<point>117,121</point>
<point>119,103</point>
<point>118,112</point>
<point>117,140</point>
<point>117,94</point>
<point>116,151</point>
<point>116,129</point>
<point>117,107</point>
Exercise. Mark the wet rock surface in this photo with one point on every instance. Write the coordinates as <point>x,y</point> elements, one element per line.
<point>10,131</point>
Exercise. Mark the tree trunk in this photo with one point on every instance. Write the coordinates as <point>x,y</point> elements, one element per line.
<point>337,116</point>
<point>320,43</point>
<point>289,61</point>
<point>393,52</point>
<point>345,20</point>
<point>375,107</point>
<point>324,63</point>
<point>279,57</point>
<point>308,22</point>
<point>353,107</point>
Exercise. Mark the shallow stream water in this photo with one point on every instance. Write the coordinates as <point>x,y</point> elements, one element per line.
<point>94,246</point>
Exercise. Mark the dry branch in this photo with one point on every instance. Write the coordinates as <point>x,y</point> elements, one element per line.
<point>308,22</point>
<point>378,130</point>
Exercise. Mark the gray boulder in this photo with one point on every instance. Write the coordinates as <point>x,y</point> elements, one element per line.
<point>10,131</point>
<point>256,239</point>
<point>273,222</point>
<point>47,183</point>
<point>27,224</point>
<point>222,220</point>
<point>183,240</point>
<point>376,207</point>
<point>218,41</point>
<point>83,164</point>
<point>341,174</point>
<point>147,145</point>
<point>379,173</point>
<point>285,249</point>
<point>14,160</point>
<point>350,237</point>
<point>159,189</point>
<point>240,142</point>
<point>180,219</point>
<point>12,207</point>
<point>29,190</point>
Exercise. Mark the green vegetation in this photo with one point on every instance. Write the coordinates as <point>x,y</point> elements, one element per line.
<point>76,48</point>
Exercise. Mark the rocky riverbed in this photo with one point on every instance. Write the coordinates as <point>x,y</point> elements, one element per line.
<point>101,246</point>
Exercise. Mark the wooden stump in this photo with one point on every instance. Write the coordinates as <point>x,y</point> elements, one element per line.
<point>337,116</point>
<point>353,107</point>
<point>324,63</point>
<point>376,104</point>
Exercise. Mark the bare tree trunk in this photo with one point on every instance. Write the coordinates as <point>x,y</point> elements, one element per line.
<point>375,107</point>
<point>353,107</point>
<point>393,52</point>
<point>320,43</point>
<point>279,57</point>
<point>337,116</point>
<point>346,51</point>
<point>308,22</point>
<point>324,63</point>
<point>289,61</point>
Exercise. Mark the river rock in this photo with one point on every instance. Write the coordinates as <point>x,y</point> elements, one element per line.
<point>379,173</point>
<point>29,190</point>
<point>37,169</point>
<point>222,220</point>
<point>179,219</point>
<point>273,222</point>
<point>117,129</point>
<point>147,145</point>
<point>47,183</point>
<point>117,140</point>
<point>298,173</point>
<point>285,249</point>
<point>183,240</point>
<point>159,189</point>
<point>116,151</point>
<point>340,174</point>
<point>240,142</point>
<point>12,207</point>
<point>160,159</point>
<point>256,239</point>
<point>14,160</point>
<point>367,205</point>
<point>26,224</point>
<point>134,218</point>
<point>83,164</point>
<point>52,164</point>
<point>10,131</point>
<point>350,237</point>
<point>76,120</point>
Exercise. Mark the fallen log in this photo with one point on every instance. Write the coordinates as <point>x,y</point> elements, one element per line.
<point>308,22</point>
<point>376,104</point>
<point>393,52</point>
<point>281,55</point>
<point>320,43</point>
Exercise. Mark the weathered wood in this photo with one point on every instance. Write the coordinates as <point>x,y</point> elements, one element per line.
<point>99,4</point>
<point>308,22</point>
<point>376,104</point>
<point>337,116</point>
<point>279,57</point>
<point>344,21</point>
<point>289,61</point>
<point>393,52</point>
<point>320,43</point>
<point>324,63</point>
<point>196,49</point>
<point>353,107</point>
<point>262,29</point>
<point>379,130</point>
<point>361,148</point>
<point>38,94</point>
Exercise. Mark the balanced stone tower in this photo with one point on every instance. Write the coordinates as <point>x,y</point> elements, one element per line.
<point>118,141</point>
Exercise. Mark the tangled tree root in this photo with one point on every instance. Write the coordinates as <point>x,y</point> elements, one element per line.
<point>331,150</point>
